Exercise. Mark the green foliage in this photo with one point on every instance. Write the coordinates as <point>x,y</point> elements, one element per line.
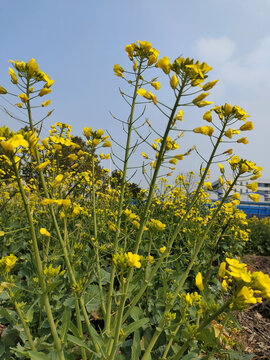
<point>259,237</point>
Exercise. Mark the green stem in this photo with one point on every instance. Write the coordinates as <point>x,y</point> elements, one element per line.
<point>25,326</point>
<point>79,325</point>
<point>184,277</point>
<point>147,206</point>
<point>121,201</point>
<point>96,248</point>
<point>38,262</point>
<point>62,242</point>
<point>206,277</point>
<point>119,321</point>
<point>200,328</point>
<point>179,226</point>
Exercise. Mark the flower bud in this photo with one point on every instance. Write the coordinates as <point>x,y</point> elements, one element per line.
<point>174,82</point>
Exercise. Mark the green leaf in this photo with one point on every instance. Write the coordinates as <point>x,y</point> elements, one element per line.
<point>4,312</point>
<point>191,356</point>
<point>136,313</point>
<point>131,328</point>
<point>237,355</point>
<point>74,329</point>
<point>35,355</point>
<point>136,346</point>
<point>81,343</point>
<point>92,299</point>
<point>207,337</point>
<point>65,324</point>
<point>2,348</point>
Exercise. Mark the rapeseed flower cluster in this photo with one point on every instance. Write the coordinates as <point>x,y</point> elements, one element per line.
<point>124,260</point>
<point>249,287</point>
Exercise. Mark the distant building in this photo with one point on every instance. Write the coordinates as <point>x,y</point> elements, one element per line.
<point>259,209</point>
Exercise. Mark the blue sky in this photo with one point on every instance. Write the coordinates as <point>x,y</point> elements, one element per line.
<point>77,44</point>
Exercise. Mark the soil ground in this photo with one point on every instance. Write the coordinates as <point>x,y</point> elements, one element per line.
<point>256,321</point>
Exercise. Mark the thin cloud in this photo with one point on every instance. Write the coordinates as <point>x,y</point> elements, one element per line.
<point>215,50</point>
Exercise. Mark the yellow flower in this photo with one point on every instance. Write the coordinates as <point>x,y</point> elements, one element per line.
<point>32,66</point>
<point>44,232</point>
<point>145,45</point>
<point>236,196</point>
<point>135,65</point>
<point>229,152</point>
<point>261,282</point>
<point>23,97</point>
<point>46,103</point>
<point>200,98</point>
<point>118,70</point>
<point>162,250</point>
<point>164,64</point>
<point>106,143</point>
<point>199,281</point>
<point>174,82</point>
<point>14,142</point>
<point>229,133</point>
<point>179,157</point>
<point>203,103</point>
<point>156,85</point>
<point>253,186</point>
<point>87,132</point>
<point>247,126</point>
<point>153,57</point>
<point>13,76</point>
<point>51,272</point>
<point>224,285</point>
<point>57,180</point>
<point>227,109</point>
<point>189,299</point>
<point>3,91</point>
<point>208,185</point>
<point>42,165</point>
<point>205,130</point>
<point>207,116</point>
<point>133,260</point>
<point>9,261</point>
<point>144,155</point>
<point>130,49</point>
<point>179,115</point>
<point>156,224</point>
<point>221,168</point>
<point>173,161</point>
<point>99,133</point>
<point>245,296</point>
<point>222,269</point>
<point>49,83</point>
<point>44,91</point>
<point>209,85</point>
<point>147,95</point>
<point>254,197</point>
<point>243,140</point>
<point>220,180</point>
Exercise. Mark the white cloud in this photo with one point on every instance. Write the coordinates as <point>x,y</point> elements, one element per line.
<point>245,81</point>
<point>215,50</point>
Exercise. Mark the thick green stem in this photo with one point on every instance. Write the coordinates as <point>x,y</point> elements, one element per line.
<point>79,325</point>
